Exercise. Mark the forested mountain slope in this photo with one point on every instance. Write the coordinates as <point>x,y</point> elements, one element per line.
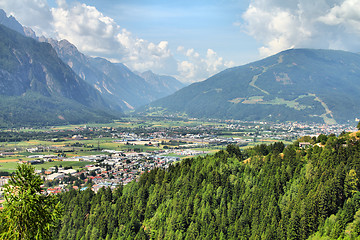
<point>117,84</point>
<point>277,193</point>
<point>37,88</point>
<point>307,85</point>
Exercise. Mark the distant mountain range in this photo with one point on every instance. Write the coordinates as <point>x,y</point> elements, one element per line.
<point>122,88</point>
<point>304,85</point>
<point>37,88</point>
<point>161,84</point>
<point>34,80</point>
<point>36,85</point>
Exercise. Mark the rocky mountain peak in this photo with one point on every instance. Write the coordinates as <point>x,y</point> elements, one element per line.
<point>11,22</point>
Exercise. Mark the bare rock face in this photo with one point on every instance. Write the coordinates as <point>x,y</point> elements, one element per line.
<point>11,22</point>
<point>164,85</point>
<point>34,79</point>
<point>121,88</point>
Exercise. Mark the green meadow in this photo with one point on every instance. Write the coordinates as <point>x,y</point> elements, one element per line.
<point>11,166</point>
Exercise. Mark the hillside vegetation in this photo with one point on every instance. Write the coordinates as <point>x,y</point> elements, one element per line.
<point>37,88</point>
<point>306,85</point>
<point>279,193</point>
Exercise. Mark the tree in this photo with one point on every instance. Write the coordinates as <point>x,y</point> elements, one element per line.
<point>27,213</point>
<point>322,139</point>
<point>234,150</point>
<point>351,183</point>
<point>82,176</point>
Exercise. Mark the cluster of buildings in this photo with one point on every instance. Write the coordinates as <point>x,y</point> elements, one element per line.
<point>245,131</point>
<point>288,130</point>
<point>108,170</point>
<point>113,168</point>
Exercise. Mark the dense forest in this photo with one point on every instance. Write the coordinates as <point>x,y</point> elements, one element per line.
<point>267,192</point>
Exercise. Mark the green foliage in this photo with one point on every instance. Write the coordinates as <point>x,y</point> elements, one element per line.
<point>285,87</point>
<point>27,213</point>
<point>278,193</point>
<point>264,149</point>
<point>234,150</point>
<point>322,139</point>
<point>20,111</point>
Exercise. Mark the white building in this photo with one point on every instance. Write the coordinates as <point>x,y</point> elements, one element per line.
<point>55,176</point>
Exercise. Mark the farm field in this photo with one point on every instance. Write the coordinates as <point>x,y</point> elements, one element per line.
<point>134,122</point>
<point>10,166</point>
<point>145,134</point>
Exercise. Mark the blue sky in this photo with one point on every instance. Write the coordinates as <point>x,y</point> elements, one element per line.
<point>192,24</point>
<point>191,40</point>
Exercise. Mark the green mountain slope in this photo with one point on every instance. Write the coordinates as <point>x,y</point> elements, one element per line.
<point>35,110</point>
<point>118,85</point>
<point>31,69</point>
<point>278,193</point>
<point>294,85</point>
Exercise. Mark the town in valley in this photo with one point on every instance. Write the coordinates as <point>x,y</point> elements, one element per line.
<point>100,155</point>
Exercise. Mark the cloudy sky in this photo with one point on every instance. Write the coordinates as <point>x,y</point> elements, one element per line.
<point>189,39</point>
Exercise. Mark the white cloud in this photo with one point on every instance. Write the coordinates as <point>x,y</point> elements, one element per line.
<point>280,25</point>
<point>346,14</point>
<point>187,70</point>
<point>87,28</point>
<point>93,33</point>
<point>197,67</point>
<point>98,35</point>
<point>180,48</point>
<point>32,13</point>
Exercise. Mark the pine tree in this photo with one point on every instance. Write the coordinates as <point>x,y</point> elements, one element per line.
<point>27,213</point>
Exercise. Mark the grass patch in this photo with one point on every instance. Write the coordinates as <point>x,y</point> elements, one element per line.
<point>74,165</point>
<point>11,166</point>
<point>8,166</point>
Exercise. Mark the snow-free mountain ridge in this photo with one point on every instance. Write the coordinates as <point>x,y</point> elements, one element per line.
<point>306,85</point>
<point>37,88</point>
<point>121,88</point>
